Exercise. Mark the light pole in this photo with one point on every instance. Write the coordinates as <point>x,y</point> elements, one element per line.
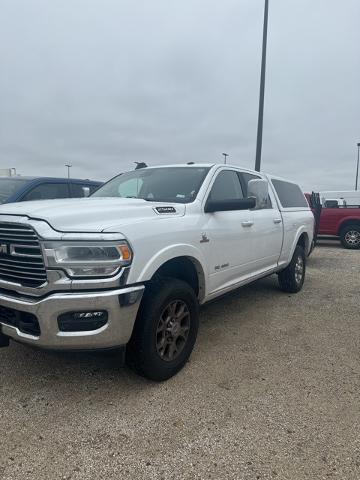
<point>262,90</point>
<point>357,167</point>
<point>225,157</point>
<point>68,171</point>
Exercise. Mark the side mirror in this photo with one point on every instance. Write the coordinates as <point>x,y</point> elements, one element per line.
<point>259,190</point>
<point>86,191</point>
<point>229,205</point>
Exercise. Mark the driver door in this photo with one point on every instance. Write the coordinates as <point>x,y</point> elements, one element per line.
<point>229,235</point>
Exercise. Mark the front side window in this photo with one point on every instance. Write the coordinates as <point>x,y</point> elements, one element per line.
<point>290,194</point>
<point>163,184</point>
<point>48,191</point>
<point>131,188</point>
<point>226,186</point>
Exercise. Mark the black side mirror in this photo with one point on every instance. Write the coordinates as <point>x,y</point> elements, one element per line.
<point>229,205</point>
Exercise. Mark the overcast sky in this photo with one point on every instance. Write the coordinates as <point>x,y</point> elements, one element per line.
<point>101,84</point>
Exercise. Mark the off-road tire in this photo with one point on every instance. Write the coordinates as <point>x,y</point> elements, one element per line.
<point>291,279</point>
<point>142,353</point>
<point>350,237</point>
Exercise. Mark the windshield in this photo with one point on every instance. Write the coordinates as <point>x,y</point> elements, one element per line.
<point>9,186</point>
<point>170,184</point>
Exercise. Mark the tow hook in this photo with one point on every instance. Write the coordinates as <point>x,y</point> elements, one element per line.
<point>4,341</point>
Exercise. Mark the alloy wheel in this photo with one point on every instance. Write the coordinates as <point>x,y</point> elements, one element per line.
<point>299,269</point>
<point>172,330</point>
<point>352,237</point>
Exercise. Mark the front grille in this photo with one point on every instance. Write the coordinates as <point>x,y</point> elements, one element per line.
<point>21,259</point>
<point>25,322</point>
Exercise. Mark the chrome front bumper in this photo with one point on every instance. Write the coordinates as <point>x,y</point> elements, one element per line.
<point>121,305</point>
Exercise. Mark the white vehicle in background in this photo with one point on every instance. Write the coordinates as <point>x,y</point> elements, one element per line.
<point>128,267</point>
<point>343,198</point>
<point>7,172</point>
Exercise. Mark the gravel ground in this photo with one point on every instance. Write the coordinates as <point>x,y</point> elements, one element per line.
<point>271,392</point>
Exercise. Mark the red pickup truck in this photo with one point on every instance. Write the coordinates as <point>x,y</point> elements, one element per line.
<point>335,218</point>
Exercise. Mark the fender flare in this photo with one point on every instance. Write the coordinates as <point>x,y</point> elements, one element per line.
<point>346,220</point>
<point>175,251</point>
<point>302,230</point>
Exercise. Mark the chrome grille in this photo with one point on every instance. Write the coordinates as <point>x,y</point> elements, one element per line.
<point>21,259</point>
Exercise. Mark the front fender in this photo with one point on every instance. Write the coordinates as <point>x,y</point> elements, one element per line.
<point>169,253</point>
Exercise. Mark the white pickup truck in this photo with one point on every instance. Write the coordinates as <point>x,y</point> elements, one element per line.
<point>128,267</point>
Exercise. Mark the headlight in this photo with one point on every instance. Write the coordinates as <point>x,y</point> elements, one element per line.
<point>88,259</point>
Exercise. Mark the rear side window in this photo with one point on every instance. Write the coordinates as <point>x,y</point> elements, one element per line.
<point>290,194</point>
<point>48,191</point>
<point>226,186</point>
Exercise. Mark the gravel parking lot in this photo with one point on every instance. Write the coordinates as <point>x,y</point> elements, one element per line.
<point>271,392</point>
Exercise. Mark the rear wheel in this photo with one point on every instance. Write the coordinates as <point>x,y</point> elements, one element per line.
<point>291,279</point>
<point>350,236</point>
<point>165,330</point>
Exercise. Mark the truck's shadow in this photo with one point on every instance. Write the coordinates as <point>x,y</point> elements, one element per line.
<point>329,242</point>
<point>73,371</point>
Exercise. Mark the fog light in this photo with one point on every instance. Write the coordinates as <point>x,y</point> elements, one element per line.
<point>130,298</point>
<point>82,321</point>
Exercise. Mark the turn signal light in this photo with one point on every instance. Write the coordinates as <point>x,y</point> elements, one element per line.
<point>125,252</point>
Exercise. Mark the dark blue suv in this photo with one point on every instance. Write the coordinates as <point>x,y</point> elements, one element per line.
<point>20,189</point>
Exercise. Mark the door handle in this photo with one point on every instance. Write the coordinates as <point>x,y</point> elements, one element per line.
<point>249,223</point>
<point>277,220</point>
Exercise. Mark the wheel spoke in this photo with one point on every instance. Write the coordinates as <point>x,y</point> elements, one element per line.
<point>172,350</point>
<point>183,332</point>
<point>172,309</point>
<point>183,316</point>
<point>161,326</point>
<point>180,311</point>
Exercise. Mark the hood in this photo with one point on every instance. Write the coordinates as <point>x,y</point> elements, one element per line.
<point>92,214</point>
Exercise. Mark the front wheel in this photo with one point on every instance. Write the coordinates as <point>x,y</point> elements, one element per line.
<point>291,279</point>
<point>350,237</point>
<point>165,329</point>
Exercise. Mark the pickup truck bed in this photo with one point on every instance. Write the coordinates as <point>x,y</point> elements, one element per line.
<point>341,221</point>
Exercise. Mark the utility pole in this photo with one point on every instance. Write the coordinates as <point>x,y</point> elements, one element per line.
<point>225,157</point>
<point>68,169</point>
<point>357,167</point>
<point>262,90</point>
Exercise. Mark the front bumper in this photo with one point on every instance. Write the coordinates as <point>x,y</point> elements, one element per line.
<point>120,304</point>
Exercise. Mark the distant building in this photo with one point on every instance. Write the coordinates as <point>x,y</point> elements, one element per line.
<point>7,172</point>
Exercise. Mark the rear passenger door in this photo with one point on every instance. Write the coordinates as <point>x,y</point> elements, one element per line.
<point>266,231</point>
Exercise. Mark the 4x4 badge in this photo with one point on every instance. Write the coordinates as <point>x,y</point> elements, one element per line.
<point>205,238</point>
